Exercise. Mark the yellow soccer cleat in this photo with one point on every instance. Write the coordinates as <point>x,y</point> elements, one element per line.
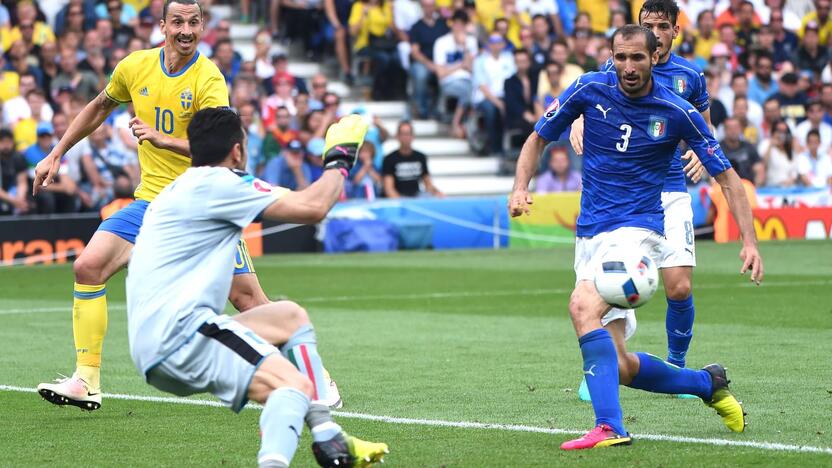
<point>723,401</point>
<point>364,453</point>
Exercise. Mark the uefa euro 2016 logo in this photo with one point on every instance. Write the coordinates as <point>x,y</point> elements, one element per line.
<point>186,99</point>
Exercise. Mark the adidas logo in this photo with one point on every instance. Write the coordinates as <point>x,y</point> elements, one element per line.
<point>143,91</point>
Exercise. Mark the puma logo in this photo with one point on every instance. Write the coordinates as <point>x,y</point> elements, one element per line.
<point>603,111</point>
<point>589,371</point>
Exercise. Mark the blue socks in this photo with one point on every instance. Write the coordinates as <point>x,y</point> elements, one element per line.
<point>302,351</point>
<point>601,373</point>
<point>657,376</point>
<point>679,325</point>
<point>282,424</point>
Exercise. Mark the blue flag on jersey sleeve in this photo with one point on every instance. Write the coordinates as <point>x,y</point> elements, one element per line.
<point>561,112</point>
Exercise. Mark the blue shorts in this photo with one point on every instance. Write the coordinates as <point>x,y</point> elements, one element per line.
<point>126,222</point>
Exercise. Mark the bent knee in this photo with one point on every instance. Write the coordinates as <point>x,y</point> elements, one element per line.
<point>88,270</point>
<point>627,368</point>
<point>678,291</point>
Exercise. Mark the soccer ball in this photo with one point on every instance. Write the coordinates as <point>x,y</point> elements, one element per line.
<point>626,277</point>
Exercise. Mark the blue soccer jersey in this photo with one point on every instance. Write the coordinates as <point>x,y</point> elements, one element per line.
<point>687,81</point>
<point>628,147</point>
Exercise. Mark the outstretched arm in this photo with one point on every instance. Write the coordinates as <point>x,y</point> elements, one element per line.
<point>738,203</point>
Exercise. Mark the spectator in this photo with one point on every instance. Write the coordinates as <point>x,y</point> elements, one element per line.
<point>123,196</point>
<point>762,85</point>
<point>121,17</point>
<point>223,56</point>
<point>27,15</point>
<point>814,121</point>
<point>596,16</point>
<point>516,20</point>
<point>739,87</point>
<point>454,55</point>
<point>731,16</point>
<point>39,112</point>
<point>17,108</point>
<point>423,36</point>
<point>290,169</point>
<point>371,23</point>
<point>282,97</point>
<point>491,69</point>
<point>405,14</point>
<point>405,168</point>
<point>705,35</point>
<point>579,55</point>
<point>811,56</point>
<point>826,100</point>
<point>77,16</point>
<point>821,17</point>
<point>61,195</point>
<point>750,131</point>
<point>521,95</point>
<point>104,28</point>
<point>280,62</point>
<point>559,52</point>
<point>547,11</point>
<point>319,89</point>
<point>559,177</point>
<point>777,152</point>
<point>742,156</point>
<point>14,183</point>
<point>338,14</point>
<point>263,62</point>
<point>548,86</point>
<point>254,132</point>
<point>83,84</point>
<point>792,100</point>
<point>720,63</point>
<point>814,167</point>
<point>785,41</point>
<point>125,145</point>
<point>304,21</point>
<point>97,171</point>
<point>365,180</point>
<point>542,41</point>
<point>728,38</point>
<point>771,115</point>
<point>747,28</point>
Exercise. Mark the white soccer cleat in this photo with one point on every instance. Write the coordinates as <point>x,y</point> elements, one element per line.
<point>71,391</point>
<point>333,397</point>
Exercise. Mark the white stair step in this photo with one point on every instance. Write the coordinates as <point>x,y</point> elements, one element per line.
<point>461,166</point>
<point>304,69</point>
<point>433,146</point>
<point>222,12</point>
<point>240,32</point>
<point>388,109</point>
<point>474,185</point>
<point>246,50</point>
<point>421,128</point>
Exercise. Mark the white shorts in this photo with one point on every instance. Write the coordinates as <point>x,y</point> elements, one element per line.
<point>678,229</point>
<point>588,252</point>
<point>220,358</point>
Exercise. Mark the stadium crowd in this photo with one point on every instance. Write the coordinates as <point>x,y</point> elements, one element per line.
<point>489,68</point>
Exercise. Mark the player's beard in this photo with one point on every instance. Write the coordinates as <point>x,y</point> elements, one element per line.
<point>635,87</point>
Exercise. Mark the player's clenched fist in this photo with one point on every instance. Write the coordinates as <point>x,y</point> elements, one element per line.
<point>518,203</point>
<point>343,140</point>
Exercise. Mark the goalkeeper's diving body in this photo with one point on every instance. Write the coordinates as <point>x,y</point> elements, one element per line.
<point>180,274</point>
<point>166,85</point>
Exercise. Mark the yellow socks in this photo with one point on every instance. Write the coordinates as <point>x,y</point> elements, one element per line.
<point>89,324</point>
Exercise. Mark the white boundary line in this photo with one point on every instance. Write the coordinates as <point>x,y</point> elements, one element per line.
<point>473,425</point>
<point>440,295</point>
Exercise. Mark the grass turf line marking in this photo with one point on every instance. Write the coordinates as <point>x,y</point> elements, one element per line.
<point>470,425</point>
<point>443,295</point>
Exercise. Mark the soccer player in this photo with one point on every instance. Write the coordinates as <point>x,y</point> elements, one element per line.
<point>687,80</point>
<point>166,85</point>
<point>633,125</point>
<point>180,275</point>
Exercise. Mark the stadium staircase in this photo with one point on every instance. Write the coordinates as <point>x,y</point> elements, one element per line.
<point>454,168</point>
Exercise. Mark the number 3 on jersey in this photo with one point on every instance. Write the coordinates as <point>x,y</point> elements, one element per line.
<point>164,120</point>
<point>625,138</point>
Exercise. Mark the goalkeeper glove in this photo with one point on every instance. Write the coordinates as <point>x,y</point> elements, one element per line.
<point>343,139</point>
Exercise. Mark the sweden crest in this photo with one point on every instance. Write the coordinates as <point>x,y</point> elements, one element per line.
<point>186,99</point>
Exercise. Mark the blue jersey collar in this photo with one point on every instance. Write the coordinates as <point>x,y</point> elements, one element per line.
<point>180,72</point>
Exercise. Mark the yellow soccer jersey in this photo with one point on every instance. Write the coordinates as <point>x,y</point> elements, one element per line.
<point>167,101</point>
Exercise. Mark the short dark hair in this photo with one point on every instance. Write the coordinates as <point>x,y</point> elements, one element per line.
<point>813,131</point>
<point>404,123</point>
<point>631,30</point>
<point>737,76</point>
<point>666,8</point>
<point>460,15</point>
<point>6,133</point>
<point>212,134</point>
<point>522,51</point>
<point>183,2</point>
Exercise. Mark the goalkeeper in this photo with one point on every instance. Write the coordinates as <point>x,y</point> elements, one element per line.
<point>180,275</point>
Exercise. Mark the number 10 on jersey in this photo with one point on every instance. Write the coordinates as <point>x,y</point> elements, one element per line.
<point>164,120</point>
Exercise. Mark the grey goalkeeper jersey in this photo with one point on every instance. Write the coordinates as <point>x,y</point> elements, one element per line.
<point>182,263</point>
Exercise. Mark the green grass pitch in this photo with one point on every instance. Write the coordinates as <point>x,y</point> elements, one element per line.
<point>459,336</point>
